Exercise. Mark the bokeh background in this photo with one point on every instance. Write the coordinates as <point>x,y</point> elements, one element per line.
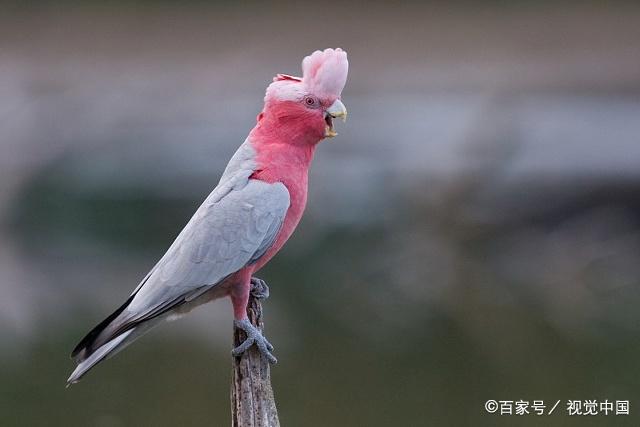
<point>472,234</point>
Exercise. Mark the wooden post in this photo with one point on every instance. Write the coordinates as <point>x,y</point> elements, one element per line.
<point>252,401</point>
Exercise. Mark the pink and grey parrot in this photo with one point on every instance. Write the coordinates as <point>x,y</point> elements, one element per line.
<point>243,223</point>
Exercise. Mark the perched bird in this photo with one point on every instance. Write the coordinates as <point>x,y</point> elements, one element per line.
<point>245,220</point>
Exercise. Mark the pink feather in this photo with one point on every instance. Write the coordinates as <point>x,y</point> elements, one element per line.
<point>324,73</point>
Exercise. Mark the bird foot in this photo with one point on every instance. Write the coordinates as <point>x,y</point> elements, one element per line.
<point>259,289</point>
<point>254,336</point>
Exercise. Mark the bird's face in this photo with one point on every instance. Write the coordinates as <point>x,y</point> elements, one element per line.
<point>324,111</point>
<point>308,105</point>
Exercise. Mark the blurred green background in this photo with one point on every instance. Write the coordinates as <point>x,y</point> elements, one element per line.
<point>472,234</point>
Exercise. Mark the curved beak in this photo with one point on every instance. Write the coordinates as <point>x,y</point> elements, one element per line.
<point>336,110</point>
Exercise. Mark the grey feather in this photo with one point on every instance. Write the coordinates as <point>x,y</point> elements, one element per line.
<point>97,356</point>
<point>234,227</point>
<point>222,237</point>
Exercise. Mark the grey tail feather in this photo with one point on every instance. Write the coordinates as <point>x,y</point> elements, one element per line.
<point>120,321</point>
<point>117,331</point>
<point>102,352</point>
<point>87,345</point>
<point>112,347</point>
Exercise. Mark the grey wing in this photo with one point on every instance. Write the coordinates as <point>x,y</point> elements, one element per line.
<point>225,234</point>
<point>234,227</point>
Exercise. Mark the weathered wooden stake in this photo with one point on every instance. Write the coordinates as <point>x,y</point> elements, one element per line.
<point>252,401</point>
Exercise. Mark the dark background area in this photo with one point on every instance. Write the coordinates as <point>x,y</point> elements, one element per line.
<point>473,233</point>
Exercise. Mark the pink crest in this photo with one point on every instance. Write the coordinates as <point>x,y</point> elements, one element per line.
<point>324,75</point>
<point>325,72</point>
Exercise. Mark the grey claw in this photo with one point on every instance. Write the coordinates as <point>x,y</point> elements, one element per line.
<point>254,336</point>
<point>259,288</point>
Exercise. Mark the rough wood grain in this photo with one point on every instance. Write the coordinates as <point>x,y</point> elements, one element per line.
<point>252,401</point>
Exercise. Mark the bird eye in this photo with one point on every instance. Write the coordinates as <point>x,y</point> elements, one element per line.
<point>310,101</point>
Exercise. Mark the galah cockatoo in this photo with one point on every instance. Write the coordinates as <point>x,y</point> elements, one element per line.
<point>245,220</point>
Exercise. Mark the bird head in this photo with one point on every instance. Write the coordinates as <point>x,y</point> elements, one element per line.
<point>306,106</point>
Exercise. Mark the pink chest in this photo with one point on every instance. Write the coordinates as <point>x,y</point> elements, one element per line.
<point>294,214</point>
<point>292,171</point>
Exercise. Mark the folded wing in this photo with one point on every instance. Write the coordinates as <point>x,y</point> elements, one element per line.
<point>233,228</point>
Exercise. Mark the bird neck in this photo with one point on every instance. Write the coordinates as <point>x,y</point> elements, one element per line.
<point>278,161</point>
